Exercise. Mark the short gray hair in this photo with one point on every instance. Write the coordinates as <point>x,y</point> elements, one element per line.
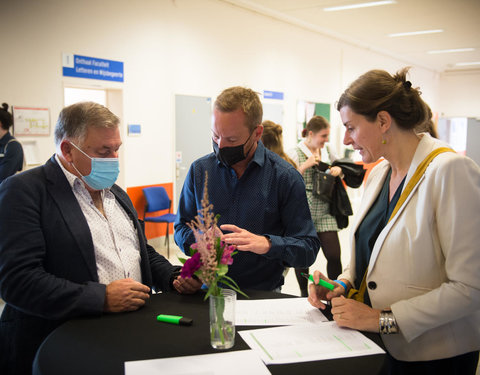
<point>74,120</point>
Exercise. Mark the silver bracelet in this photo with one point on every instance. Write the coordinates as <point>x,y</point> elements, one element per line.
<point>387,323</point>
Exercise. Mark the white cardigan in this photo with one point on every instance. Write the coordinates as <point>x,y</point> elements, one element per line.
<point>426,261</point>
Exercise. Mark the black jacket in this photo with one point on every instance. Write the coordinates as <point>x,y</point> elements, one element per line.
<point>340,206</point>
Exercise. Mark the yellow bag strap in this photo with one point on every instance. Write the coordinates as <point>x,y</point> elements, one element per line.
<point>416,177</point>
<point>359,294</point>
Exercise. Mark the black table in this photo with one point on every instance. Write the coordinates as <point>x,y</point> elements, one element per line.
<point>101,345</point>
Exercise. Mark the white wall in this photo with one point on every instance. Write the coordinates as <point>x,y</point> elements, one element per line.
<point>194,47</point>
<point>460,94</point>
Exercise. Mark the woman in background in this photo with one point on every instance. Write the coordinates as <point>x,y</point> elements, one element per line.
<point>414,272</point>
<point>11,151</point>
<point>308,154</point>
<point>273,140</point>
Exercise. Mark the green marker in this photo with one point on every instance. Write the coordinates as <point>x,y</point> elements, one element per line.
<point>321,282</point>
<point>174,319</point>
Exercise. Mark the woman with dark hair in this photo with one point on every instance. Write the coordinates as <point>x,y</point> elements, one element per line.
<point>11,151</point>
<point>307,155</point>
<point>414,272</point>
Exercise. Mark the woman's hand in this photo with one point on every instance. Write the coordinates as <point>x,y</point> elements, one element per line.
<point>335,171</point>
<point>309,163</point>
<point>353,314</point>
<point>318,293</point>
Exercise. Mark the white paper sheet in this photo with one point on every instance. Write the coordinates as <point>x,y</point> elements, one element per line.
<point>235,363</point>
<point>303,343</point>
<point>279,311</point>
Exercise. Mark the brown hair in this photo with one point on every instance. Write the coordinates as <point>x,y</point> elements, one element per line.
<point>273,140</point>
<point>315,124</point>
<point>428,126</point>
<point>75,119</point>
<point>242,98</point>
<point>377,91</point>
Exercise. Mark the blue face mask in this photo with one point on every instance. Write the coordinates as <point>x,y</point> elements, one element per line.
<point>103,173</point>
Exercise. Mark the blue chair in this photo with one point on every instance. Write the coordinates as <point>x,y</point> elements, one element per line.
<point>157,199</point>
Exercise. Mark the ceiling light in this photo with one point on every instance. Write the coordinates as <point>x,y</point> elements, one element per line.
<point>360,5</point>
<point>468,63</point>
<point>416,33</point>
<point>452,50</point>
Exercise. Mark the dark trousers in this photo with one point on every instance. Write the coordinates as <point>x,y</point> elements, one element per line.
<point>464,364</point>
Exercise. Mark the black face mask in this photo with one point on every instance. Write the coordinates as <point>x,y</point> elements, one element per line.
<point>231,155</point>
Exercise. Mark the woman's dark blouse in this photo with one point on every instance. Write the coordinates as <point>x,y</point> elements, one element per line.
<point>370,228</point>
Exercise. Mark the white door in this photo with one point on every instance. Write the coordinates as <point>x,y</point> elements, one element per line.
<point>193,135</point>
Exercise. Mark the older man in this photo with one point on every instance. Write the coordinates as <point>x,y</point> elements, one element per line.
<point>260,197</point>
<point>70,240</point>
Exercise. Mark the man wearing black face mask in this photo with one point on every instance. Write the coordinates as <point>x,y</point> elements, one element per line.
<point>260,198</point>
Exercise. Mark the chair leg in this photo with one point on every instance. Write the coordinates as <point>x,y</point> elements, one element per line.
<point>167,240</point>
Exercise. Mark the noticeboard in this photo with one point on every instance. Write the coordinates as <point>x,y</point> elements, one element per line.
<point>31,121</point>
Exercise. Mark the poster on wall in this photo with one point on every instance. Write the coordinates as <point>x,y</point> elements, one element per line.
<point>31,121</point>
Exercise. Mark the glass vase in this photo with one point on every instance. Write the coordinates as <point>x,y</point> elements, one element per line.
<point>222,319</point>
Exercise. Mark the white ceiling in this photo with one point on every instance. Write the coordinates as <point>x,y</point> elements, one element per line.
<point>369,27</point>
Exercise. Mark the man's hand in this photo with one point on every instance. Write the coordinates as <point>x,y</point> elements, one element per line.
<point>244,240</point>
<point>125,295</point>
<point>187,286</point>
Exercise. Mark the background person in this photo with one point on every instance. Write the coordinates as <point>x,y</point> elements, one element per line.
<point>308,154</point>
<point>417,267</point>
<point>273,140</point>
<point>70,241</point>
<point>11,151</point>
<point>259,196</point>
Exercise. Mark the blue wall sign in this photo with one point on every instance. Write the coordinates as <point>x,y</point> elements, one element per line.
<point>272,95</point>
<point>92,68</point>
<point>134,129</point>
